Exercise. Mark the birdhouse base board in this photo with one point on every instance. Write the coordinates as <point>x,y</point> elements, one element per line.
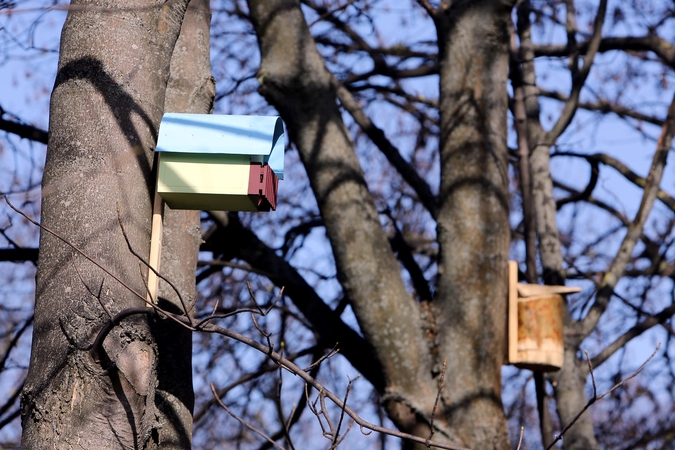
<point>545,355</point>
<point>211,202</point>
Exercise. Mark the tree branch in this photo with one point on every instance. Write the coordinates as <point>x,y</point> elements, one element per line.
<point>579,78</point>
<point>633,332</point>
<point>624,170</point>
<point>407,171</point>
<point>22,130</point>
<point>234,239</point>
<point>19,254</point>
<point>597,397</point>
<point>648,43</point>
<point>605,107</point>
<point>651,190</point>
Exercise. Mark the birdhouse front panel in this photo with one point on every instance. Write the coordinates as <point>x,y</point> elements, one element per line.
<point>540,333</point>
<point>213,162</point>
<point>535,324</point>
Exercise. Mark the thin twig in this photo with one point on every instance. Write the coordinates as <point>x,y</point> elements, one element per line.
<point>598,397</point>
<point>328,355</point>
<point>520,439</point>
<point>147,264</point>
<point>427,7</point>
<point>296,370</point>
<point>331,12</point>
<point>441,383</point>
<point>106,328</point>
<point>100,288</point>
<point>242,421</point>
<point>336,438</point>
<point>69,244</point>
<point>590,370</point>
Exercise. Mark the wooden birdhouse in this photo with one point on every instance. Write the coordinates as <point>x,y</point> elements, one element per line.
<point>220,162</point>
<point>535,324</point>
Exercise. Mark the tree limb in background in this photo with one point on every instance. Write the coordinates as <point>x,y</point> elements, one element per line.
<point>659,318</point>
<point>19,254</point>
<point>597,397</point>
<point>234,239</point>
<point>550,250</point>
<point>651,189</point>
<point>577,195</point>
<point>524,172</point>
<point>579,78</point>
<point>407,171</point>
<point>22,130</point>
<point>624,170</point>
<point>291,72</point>
<point>648,43</point>
<point>569,389</point>
<point>604,106</point>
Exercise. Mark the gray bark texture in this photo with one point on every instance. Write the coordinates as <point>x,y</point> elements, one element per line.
<point>470,308</point>
<point>473,230</point>
<point>106,106</point>
<point>190,89</point>
<point>570,381</point>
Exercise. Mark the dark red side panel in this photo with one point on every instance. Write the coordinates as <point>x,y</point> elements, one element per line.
<point>263,186</point>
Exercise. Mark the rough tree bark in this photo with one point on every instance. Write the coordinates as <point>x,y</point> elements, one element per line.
<point>190,89</point>
<point>106,105</point>
<point>291,72</point>
<point>408,345</point>
<point>570,381</point>
<point>473,230</point>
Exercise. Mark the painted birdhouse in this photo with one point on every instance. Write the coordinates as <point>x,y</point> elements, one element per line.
<point>535,324</point>
<point>220,162</point>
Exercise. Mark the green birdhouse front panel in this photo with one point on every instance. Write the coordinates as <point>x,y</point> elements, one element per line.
<point>217,162</point>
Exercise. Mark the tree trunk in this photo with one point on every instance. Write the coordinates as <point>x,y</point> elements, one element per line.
<point>105,109</point>
<point>191,89</point>
<point>294,79</point>
<point>473,221</point>
<point>570,381</point>
<point>291,73</point>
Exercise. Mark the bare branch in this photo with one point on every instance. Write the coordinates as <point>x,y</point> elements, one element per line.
<point>242,421</point>
<point>293,368</point>
<point>520,439</point>
<point>579,79</point>
<point>520,120</point>
<point>624,170</point>
<point>14,341</point>
<point>604,106</point>
<point>648,43</point>
<point>598,397</point>
<point>22,130</point>
<point>19,254</point>
<point>441,383</point>
<point>93,261</point>
<point>330,13</point>
<point>324,320</point>
<point>186,311</point>
<point>337,439</point>
<point>407,171</point>
<point>634,231</point>
<point>427,7</point>
<point>635,331</point>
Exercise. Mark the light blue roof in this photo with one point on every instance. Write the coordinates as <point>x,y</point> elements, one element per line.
<point>262,137</point>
